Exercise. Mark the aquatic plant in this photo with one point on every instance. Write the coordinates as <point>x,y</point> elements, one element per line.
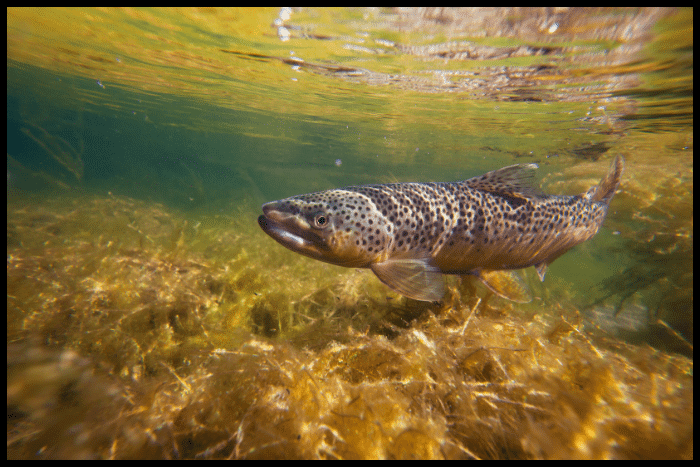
<point>135,331</point>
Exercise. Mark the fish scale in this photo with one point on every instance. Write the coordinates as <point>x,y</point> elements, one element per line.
<point>410,234</point>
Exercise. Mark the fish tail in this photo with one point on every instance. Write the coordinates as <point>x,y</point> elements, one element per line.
<point>608,185</point>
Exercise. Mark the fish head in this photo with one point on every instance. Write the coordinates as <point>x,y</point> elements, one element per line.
<point>339,226</point>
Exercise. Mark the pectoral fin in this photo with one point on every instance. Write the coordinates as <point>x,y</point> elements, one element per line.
<point>414,278</point>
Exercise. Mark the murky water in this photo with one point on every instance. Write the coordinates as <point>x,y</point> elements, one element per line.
<point>141,143</point>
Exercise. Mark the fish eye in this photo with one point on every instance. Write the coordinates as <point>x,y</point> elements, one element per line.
<point>321,220</point>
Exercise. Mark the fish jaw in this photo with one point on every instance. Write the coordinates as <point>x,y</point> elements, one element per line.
<point>293,231</point>
<point>292,238</point>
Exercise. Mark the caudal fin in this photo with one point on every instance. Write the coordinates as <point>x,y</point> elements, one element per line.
<point>608,185</point>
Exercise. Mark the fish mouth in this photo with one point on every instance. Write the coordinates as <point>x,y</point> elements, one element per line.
<point>292,232</point>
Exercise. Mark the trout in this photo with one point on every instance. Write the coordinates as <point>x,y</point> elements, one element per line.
<point>410,234</point>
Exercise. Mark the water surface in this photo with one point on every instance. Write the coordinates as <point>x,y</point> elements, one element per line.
<point>141,143</point>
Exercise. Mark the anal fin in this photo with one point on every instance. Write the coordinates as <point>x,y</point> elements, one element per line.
<point>541,270</point>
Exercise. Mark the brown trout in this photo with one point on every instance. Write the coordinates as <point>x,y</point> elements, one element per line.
<point>410,234</point>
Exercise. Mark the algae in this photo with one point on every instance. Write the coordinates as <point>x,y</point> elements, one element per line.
<point>136,331</point>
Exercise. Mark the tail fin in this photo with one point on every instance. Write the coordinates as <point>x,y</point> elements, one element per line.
<point>608,185</point>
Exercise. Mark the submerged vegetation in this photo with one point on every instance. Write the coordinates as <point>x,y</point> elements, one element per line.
<point>651,293</point>
<point>134,332</point>
<point>660,249</point>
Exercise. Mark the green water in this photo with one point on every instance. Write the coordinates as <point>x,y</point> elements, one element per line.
<point>206,114</point>
<point>202,110</point>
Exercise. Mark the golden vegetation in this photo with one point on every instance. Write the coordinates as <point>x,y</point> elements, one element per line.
<point>136,333</point>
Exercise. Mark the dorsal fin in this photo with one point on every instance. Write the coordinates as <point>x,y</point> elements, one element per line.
<point>514,179</point>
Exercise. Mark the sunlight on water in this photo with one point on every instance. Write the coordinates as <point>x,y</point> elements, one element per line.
<point>148,312</point>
